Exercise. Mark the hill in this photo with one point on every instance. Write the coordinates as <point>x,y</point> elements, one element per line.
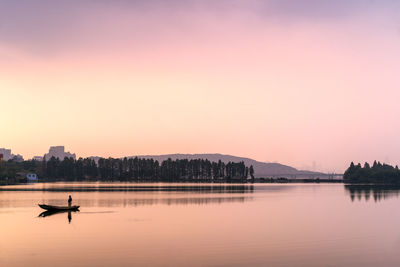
<point>261,169</point>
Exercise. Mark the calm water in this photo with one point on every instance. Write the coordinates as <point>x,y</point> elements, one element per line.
<point>201,225</point>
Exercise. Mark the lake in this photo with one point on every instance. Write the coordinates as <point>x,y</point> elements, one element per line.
<point>131,224</point>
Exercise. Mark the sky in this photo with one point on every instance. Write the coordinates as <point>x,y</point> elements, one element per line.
<point>313,84</point>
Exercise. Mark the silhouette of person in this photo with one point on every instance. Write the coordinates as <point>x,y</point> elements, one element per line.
<point>69,201</point>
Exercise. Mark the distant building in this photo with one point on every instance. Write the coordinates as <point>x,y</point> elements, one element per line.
<point>37,158</point>
<point>18,158</point>
<point>6,154</point>
<point>31,177</point>
<point>58,152</point>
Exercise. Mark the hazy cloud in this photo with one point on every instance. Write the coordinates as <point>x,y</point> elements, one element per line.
<point>45,26</point>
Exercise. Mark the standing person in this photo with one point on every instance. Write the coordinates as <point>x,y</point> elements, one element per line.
<point>69,201</point>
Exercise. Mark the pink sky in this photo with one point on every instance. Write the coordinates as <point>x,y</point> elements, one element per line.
<point>290,84</point>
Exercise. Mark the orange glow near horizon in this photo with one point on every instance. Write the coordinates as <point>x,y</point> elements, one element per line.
<point>293,92</point>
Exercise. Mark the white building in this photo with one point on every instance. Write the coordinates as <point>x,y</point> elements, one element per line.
<point>38,158</point>
<point>31,177</point>
<point>58,152</point>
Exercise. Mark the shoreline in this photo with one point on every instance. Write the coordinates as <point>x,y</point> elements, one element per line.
<point>257,181</point>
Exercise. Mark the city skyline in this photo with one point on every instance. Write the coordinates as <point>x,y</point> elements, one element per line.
<point>294,82</point>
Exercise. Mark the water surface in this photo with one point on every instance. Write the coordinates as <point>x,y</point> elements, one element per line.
<point>200,225</point>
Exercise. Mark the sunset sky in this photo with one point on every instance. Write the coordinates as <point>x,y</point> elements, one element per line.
<point>289,81</point>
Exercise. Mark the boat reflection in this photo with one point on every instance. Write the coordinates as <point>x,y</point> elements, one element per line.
<point>53,212</point>
<point>377,192</point>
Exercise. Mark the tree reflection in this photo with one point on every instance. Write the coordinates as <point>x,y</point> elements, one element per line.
<point>377,192</point>
<point>197,188</point>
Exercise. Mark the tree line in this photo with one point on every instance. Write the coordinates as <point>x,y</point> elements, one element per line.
<point>131,169</point>
<point>377,173</point>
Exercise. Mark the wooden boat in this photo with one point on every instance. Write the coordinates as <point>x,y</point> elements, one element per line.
<point>58,208</point>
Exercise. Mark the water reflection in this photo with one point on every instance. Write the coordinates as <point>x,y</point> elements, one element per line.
<point>166,201</point>
<point>51,213</point>
<point>276,228</point>
<point>132,200</point>
<point>80,187</point>
<point>128,194</point>
<point>377,192</point>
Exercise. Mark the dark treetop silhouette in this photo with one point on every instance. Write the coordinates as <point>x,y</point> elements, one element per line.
<point>132,169</point>
<point>378,173</point>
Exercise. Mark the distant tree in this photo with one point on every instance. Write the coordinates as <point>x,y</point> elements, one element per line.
<point>375,164</point>
<point>251,171</point>
<point>378,173</point>
<point>132,169</point>
<point>44,166</point>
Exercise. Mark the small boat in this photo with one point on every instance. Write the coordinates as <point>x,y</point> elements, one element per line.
<point>58,208</point>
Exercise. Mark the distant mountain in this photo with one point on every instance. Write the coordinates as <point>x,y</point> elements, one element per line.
<point>261,169</point>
